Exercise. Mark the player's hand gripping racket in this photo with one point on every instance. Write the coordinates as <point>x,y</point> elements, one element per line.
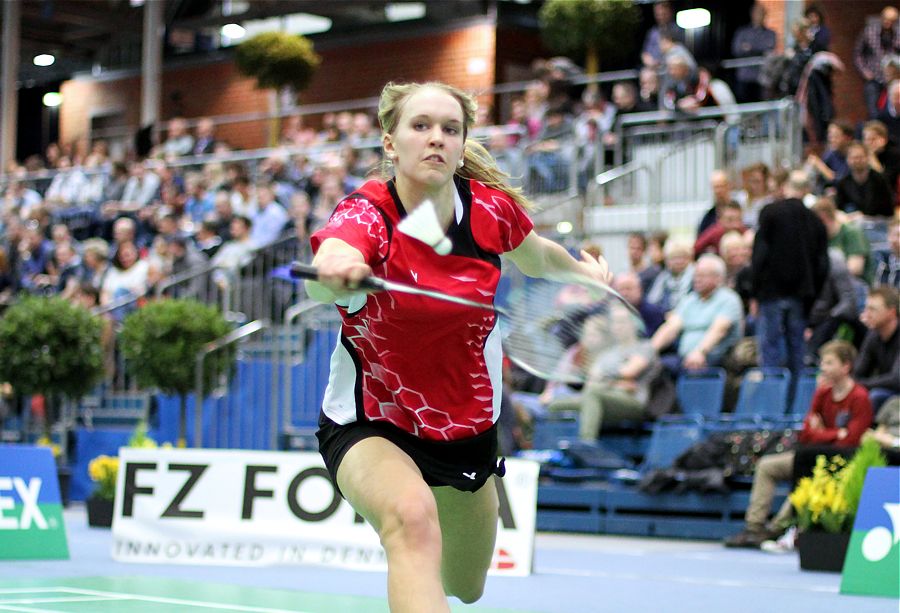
<point>552,328</point>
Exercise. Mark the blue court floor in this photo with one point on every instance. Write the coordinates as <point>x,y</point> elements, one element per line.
<point>572,574</point>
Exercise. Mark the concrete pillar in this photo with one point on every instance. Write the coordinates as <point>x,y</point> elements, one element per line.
<point>151,61</point>
<point>9,104</point>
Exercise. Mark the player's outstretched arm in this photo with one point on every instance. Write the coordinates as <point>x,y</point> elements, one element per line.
<point>341,268</point>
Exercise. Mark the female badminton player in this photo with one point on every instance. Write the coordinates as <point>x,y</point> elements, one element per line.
<point>408,423</point>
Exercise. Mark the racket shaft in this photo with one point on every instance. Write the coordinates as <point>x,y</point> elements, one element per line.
<point>305,271</point>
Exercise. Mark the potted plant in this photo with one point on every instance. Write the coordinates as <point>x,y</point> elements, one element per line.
<point>280,61</point>
<point>598,29</point>
<point>51,348</point>
<point>826,505</point>
<point>161,342</point>
<point>103,471</point>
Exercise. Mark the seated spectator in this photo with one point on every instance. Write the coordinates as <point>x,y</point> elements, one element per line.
<point>832,166</point>
<point>674,281</point>
<point>721,192</point>
<point>32,258</point>
<point>625,98</point>
<point>618,383</point>
<point>95,260</point>
<point>205,143</point>
<point>127,277</point>
<point>198,203</point>
<point>821,35</point>
<point>235,253</point>
<point>141,188</point>
<point>887,430</point>
<point>637,252</point>
<point>729,220</point>
<point>735,249</point>
<point>664,16</point>
<point>270,219</point>
<point>890,114</point>
<point>878,363</point>
<point>67,187</point>
<point>846,237</point>
<point>18,199</point>
<point>887,263</point>
<point>890,70</point>
<point>879,38</point>
<point>707,322</point>
<point>178,141</point>
<point>648,89</point>
<point>835,306</point>
<point>751,40</point>
<point>755,195</point>
<point>839,414</point>
<point>884,156</point>
<point>207,239</point>
<point>629,285</point>
<point>547,157</point>
<point>680,84</point>
<point>656,260</point>
<point>864,191</point>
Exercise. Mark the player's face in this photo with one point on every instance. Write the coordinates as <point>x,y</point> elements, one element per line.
<point>427,143</point>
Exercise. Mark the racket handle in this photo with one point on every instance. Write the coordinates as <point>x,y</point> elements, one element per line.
<point>306,271</point>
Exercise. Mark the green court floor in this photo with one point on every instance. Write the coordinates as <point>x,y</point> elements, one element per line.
<point>145,595</point>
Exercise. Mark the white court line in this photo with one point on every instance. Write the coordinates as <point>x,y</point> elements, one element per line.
<point>579,572</point>
<point>178,601</point>
<point>66,599</point>
<point>29,609</point>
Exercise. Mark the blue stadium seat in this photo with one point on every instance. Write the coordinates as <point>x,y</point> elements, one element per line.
<point>806,387</point>
<point>668,441</point>
<point>763,393</point>
<point>700,392</point>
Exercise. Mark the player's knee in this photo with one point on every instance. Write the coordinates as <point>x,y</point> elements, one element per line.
<point>413,522</point>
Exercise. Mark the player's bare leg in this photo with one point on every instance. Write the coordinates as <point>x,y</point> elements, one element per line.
<point>384,486</point>
<point>469,529</point>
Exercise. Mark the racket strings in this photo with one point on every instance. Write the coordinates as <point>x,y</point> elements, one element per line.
<point>555,331</point>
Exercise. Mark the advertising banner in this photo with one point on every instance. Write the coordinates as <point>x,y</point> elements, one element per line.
<point>234,507</point>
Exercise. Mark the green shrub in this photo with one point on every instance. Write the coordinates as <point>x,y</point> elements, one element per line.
<point>49,346</point>
<point>161,342</point>
<point>278,59</point>
<point>603,30</point>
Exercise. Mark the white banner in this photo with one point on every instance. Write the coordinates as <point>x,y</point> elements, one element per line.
<point>253,508</point>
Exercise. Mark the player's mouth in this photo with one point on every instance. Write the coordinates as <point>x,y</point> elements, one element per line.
<point>437,159</point>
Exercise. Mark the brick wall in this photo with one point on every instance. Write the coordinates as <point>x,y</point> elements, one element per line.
<point>347,72</point>
<point>775,19</point>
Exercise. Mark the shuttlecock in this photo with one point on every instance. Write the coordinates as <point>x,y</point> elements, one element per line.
<point>422,224</point>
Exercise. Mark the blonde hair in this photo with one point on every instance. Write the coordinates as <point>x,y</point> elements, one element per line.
<point>478,163</point>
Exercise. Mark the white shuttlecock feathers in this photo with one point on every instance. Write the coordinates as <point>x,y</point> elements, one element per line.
<point>422,224</point>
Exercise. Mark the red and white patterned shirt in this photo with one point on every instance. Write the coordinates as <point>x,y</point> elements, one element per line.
<point>429,367</point>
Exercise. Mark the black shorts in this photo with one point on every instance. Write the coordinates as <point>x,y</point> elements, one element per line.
<point>465,464</point>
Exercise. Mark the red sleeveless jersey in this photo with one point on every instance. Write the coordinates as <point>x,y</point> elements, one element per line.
<point>429,367</point>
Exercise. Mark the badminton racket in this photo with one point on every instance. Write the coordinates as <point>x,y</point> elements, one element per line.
<point>554,329</point>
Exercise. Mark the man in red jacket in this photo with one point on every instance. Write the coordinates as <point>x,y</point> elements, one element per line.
<point>839,415</point>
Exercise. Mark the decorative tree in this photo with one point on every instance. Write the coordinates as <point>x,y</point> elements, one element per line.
<point>278,60</point>
<point>598,29</point>
<point>51,347</point>
<point>161,342</point>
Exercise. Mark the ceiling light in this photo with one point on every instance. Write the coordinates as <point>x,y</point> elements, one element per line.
<point>692,18</point>
<point>564,227</point>
<point>233,31</point>
<point>297,23</point>
<point>52,99</point>
<point>405,11</point>
<point>44,59</point>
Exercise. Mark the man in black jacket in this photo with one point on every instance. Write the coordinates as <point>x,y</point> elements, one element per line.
<point>789,267</point>
<point>877,367</point>
<point>864,189</point>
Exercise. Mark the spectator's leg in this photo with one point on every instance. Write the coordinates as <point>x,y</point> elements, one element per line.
<point>769,471</point>
<point>770,333</point>
<point>871,93</point>
<point>877,396</point>
<point>795,324</point>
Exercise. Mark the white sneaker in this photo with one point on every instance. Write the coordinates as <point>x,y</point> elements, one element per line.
<point>784,544</point>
